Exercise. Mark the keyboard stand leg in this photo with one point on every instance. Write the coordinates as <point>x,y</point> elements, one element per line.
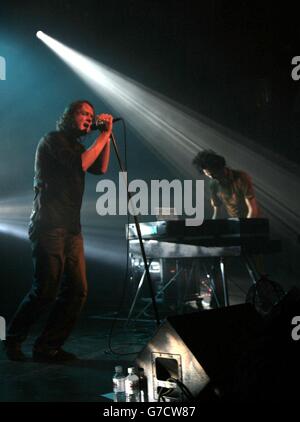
<point>211,275</point>
<point>186,289</point>
<point>252,271</point>
<point>136,296</point>
<point>160,291</point>
<point>224,281</point>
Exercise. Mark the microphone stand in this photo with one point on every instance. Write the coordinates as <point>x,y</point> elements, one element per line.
<point>138,230</point>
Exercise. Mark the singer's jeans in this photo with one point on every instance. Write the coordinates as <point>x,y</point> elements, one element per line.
<point>60,280</point>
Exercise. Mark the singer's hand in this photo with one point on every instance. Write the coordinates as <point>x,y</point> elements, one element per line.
<point>100,146</point>
<point>108,119</point>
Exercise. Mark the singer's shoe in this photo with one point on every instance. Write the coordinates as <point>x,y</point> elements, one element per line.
<point>14,352</point>
<point>52,355</point>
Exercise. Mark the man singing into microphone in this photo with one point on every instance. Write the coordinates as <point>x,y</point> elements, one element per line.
<point>61,162</point>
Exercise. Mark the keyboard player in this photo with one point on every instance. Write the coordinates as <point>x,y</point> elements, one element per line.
<point>233,190</point>
<point>230,188</point>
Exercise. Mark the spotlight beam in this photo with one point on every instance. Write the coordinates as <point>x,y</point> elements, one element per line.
<point>102,242</point>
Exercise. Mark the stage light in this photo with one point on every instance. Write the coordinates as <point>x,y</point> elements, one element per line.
<point>39,34</point>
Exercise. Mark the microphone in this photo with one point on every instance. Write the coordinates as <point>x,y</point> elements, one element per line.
<point>101,125</point>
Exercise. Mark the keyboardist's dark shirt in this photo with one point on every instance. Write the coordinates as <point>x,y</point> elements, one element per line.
<point>59,183</point>
<point>232,193</point>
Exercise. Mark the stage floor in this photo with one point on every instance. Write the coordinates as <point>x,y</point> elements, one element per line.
<point>89,379</point>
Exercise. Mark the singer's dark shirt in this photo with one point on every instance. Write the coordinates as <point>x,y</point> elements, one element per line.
<point>59,183</point>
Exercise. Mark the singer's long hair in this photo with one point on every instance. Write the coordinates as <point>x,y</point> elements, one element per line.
<point>66,122</point>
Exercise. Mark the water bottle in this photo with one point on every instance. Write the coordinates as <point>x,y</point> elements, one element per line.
<point>132,389</point>
<point>119,384</point>
<point>143,384</point>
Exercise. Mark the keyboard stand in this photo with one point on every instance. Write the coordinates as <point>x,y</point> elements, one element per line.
<point>159,292</point>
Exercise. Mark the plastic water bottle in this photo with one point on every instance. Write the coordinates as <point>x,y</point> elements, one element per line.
<point>132,389</point>
<point>143,384</point>
<point>119,384</point>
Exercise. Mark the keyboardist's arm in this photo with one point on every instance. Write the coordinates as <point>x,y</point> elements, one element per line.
<point>252,207</point>
<point>215,210</point>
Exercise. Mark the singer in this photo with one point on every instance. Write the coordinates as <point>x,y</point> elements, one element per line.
<point>61,162</point>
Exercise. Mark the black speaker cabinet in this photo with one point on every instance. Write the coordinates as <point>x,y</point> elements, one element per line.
<point>197,350</point>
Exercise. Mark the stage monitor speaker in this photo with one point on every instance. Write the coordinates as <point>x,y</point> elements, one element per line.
<point>194,352</point>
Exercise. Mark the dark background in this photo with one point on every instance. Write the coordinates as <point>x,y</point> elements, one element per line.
<point>230,60</point>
